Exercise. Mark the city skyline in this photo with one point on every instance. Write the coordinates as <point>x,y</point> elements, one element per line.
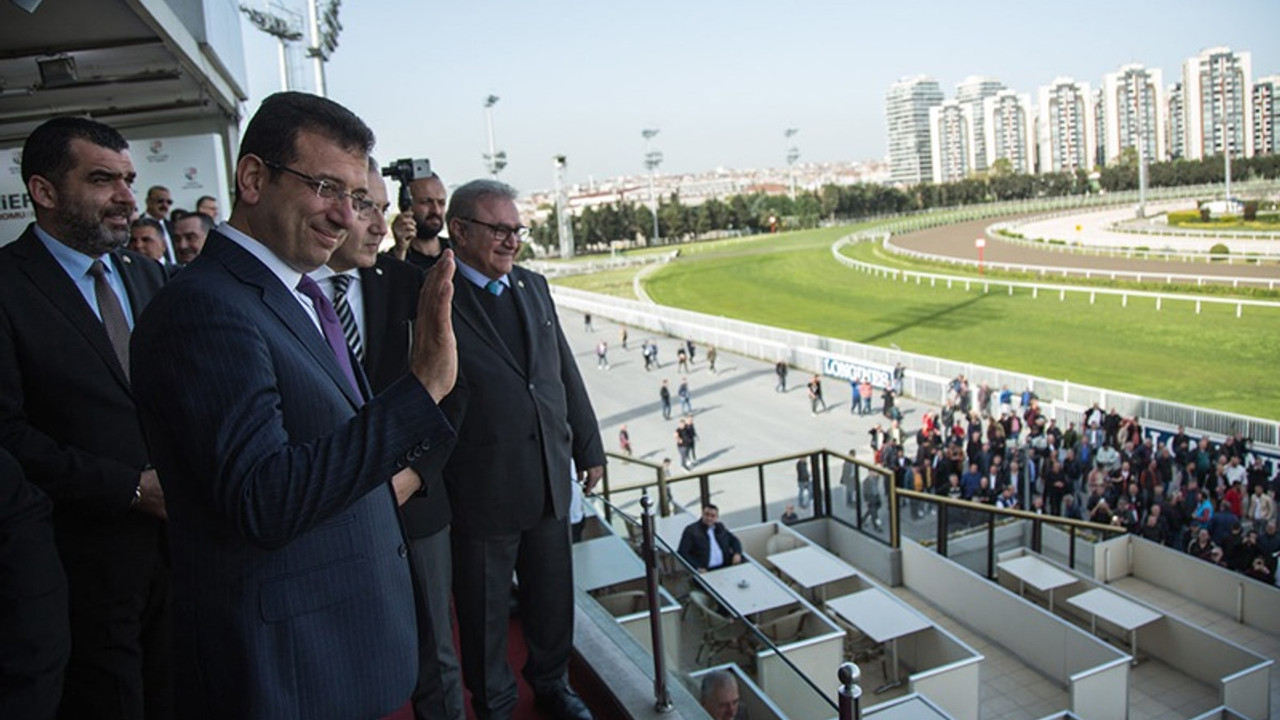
<point>721,81</point>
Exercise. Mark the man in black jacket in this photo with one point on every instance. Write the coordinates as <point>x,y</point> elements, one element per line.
<point>696,545</point>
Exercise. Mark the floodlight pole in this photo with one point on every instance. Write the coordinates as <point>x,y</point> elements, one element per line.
<point>793,154</point>
<point>495,160</point>
<point>652,159</point>
<point>564,224</point>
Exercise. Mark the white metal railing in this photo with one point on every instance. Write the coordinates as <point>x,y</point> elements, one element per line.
<point>1036,288</point>
<point>927,376</point>
<point>1088,273</point>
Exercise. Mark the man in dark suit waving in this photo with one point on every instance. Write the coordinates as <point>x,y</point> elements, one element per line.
<point>292,583</point>
<point>69,297</point>
<point>522,412</point>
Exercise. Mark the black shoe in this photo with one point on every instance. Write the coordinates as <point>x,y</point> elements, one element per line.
<point>562,704</point>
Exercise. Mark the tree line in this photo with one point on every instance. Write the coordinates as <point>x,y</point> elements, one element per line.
<point>752,213</point>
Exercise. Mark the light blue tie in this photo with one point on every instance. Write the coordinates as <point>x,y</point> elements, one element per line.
<point>494,287</point>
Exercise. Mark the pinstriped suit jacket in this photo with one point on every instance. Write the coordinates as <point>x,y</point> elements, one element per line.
<point>291,583</point>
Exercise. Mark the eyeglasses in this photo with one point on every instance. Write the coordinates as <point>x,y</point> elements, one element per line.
<point>330,191</point>
<point>163,201</point>
<point>501,233</point>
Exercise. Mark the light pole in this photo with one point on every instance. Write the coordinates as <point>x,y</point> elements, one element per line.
<point>279,28</point>
<point>652,159</point>
<point>564,224</point>
<point>494,160</point>
<point>793,154</point>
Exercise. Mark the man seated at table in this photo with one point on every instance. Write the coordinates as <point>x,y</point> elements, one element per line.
<point>707,544</point>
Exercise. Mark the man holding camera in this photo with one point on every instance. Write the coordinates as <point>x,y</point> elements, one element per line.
<point>418,230</point>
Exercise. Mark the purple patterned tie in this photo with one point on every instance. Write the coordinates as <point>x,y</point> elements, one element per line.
<point>332,329</point>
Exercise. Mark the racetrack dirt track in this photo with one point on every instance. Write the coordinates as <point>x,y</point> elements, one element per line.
<point>957,241</point>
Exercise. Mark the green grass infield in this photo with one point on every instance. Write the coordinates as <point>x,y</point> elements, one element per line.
<point>1212,359</point>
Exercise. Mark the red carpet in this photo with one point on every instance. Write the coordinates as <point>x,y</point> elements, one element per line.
<point>516,653</point>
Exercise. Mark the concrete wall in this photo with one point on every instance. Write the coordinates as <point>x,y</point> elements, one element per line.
<point>1042,640</point>
<point>1210,659</point>
<point>791,692</point>
<point>638,625</point>
<point>955,688</point>
<point>1249,601</point>
<point>1101,693</point>
<point>869,556</point>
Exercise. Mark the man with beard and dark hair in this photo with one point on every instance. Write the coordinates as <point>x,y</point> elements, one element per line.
<point>427,210</point>
<point>69,298</point>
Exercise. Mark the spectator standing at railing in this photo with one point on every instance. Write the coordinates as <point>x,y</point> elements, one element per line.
<point>1175,516</point>
<point>865,392</point>
<point>664,395</point>
<point>984,399</point>
<point>1262,507</point>
<point>804,483</point>
<point>1202,546</point>
<point>1071,509</point>
<point>1006,400</point>
<point>1257,474</point>
<point>1269,540</point>
<point>1111,427</point>
<point>1234,497</point>
<point>1222,522</point>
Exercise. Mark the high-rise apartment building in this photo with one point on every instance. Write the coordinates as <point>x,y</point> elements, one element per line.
<point>1133,114</point>
<point>970,94</point>
<point>950,141</point>
<point>907,111</point>
<point>1216,92</point>
<point>1064,126</point>
<point>1265,105</point>
<point>1009,130</point>
<point>1176,124</point>
<point>1099,158</point>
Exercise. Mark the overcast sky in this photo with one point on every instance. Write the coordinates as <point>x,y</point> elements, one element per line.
<point>722,80</point>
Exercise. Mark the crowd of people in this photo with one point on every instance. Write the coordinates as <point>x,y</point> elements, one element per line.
<point>272,474</point>
<point>1214,500</point>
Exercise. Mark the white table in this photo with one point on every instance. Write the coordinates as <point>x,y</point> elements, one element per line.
<point>1120,611</point>
<point>883,618</point>
<point>605,561</point>
<point>1031,570</point>
<point>811,568</point>
<point>669,529</point>
<point>761,592</point>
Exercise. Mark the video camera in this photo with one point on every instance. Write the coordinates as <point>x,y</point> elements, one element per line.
<point>405,171</point>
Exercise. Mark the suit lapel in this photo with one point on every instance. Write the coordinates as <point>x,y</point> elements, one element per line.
<point>374,294</point>
<point>51,280</point>
<point>466,307</point>
<point>526,299</point>
<point>282,302</point>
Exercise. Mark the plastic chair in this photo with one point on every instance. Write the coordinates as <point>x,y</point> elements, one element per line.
<point>721,632</point>
<point>786,628</point>
<point>626,602</point>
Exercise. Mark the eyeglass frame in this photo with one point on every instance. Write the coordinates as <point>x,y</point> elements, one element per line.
<point>361,204</point>
<point>501,233</point>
